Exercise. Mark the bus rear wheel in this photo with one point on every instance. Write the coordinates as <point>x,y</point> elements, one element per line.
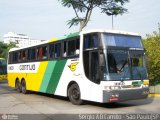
<point>23,88</point>
<point>18,86</point>
<point>74,94</point>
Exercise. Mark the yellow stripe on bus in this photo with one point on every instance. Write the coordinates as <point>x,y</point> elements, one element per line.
<point>34,78</point>
<point>53,39</point>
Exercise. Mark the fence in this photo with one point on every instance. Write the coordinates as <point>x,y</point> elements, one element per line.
<point>155,89</point>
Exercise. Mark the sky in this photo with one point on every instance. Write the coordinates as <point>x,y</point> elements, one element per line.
<point>46,19</point>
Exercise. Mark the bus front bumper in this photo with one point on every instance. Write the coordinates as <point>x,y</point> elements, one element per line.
<point>125,95</point>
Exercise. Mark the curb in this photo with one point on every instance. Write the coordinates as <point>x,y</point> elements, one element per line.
<point>154,95</point>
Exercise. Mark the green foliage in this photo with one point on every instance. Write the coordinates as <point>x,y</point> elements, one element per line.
<point>109,7</point>
<point>4,48</point>
<point>152,45</point>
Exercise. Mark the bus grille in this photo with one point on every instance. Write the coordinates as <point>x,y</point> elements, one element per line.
<point>131,86</point>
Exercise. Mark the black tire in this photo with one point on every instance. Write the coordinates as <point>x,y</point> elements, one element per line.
<point>74,94</point>
<point>18,86</point>
<point>23,87</point>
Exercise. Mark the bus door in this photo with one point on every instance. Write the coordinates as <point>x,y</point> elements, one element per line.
<point>94,74</point>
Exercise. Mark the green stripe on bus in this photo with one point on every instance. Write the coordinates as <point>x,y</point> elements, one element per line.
<point>55,77</point>
<point>47,76</point>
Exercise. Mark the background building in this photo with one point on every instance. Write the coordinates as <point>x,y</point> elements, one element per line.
<point>21,40</point>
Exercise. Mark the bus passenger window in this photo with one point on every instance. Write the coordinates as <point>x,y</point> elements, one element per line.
<point>64,49</point>
<point>44,52</point>
<point>71,48</point>
<point>90,41</point>
<point>95,40</point>
<point>23,55</point>
<point>28,54</point>
<point>15,56</point>
<point>51,51</point>
<point>39,53</point>
<point>77,46</point>
<point>20,56</point>
<point>86,42</point>
<point>57,50</point>
<point>33,54</point>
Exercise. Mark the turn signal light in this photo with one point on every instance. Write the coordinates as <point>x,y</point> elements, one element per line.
<point>146,82</point>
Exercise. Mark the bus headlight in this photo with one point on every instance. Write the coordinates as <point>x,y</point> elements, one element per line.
<point>145,86</point>
<point>115,95</point>
<point>145,83</point>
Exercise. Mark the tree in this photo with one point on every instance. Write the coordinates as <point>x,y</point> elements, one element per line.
<point>109,7</point>
<point>152,45</point>
<point>4,48</point>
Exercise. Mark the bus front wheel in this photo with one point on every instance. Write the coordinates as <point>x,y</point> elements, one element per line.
<point>74,94</point>
<point>23,84</point>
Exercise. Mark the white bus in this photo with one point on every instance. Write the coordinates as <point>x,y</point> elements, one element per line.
<point>95,65</point>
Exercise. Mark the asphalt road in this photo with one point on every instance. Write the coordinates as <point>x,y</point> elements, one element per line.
<point>42,106</point>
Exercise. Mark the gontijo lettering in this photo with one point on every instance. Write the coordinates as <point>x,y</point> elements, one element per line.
<point>27,67</point>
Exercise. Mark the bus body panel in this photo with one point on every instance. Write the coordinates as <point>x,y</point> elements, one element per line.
<point>54,75</point>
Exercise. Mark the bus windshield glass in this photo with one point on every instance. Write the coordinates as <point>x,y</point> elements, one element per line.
<point>126,65</point>
<point>138,64</point>
<point>118,65</point>
<point>122,40</point>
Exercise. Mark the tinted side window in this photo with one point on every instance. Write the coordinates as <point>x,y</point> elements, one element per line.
<point>44,52</point>
<point>20,56</point>
<point>90,41</point>
<point>71,48</point>
<point>51,51</point>
<point>39,53</point>
<point>57,50</point>
<point>15,56</point>
<point>32,54</point>
<point>77,46</point>
<point>24,55</point>
<point>65,49</point>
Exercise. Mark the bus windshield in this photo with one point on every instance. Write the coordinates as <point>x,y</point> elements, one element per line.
<point>118,65</point>
<point>122,40</point>
<point>126,65</point>
<point>138,65</point>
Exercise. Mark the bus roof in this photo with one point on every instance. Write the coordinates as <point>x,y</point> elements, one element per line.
<point>110,31</point>
<point>76,34</point>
